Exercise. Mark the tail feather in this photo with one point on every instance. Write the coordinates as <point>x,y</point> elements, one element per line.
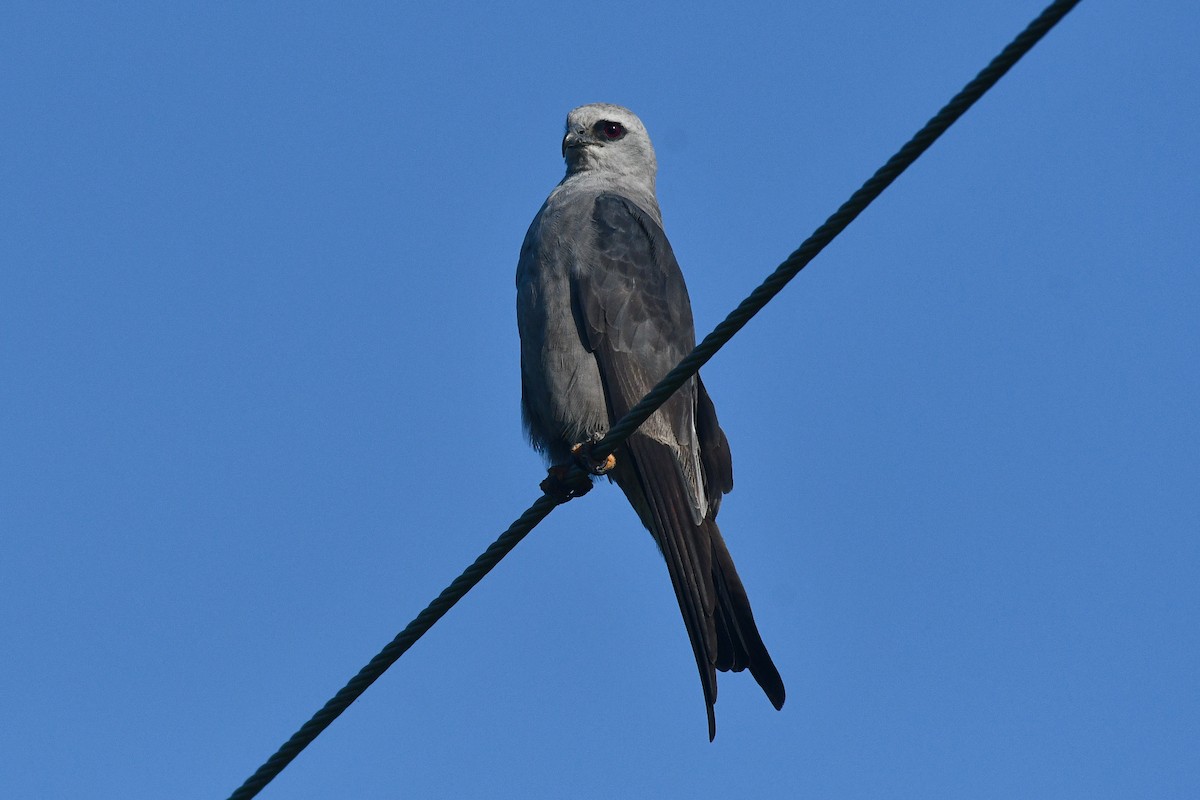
<point>748,650</point>
<point>712,600</point>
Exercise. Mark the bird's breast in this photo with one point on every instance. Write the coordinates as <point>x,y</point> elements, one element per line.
<point>562,392</point>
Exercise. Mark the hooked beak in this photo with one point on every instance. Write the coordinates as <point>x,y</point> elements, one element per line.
<point>574,139</point>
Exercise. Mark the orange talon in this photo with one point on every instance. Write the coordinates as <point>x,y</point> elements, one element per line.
<point>583,456</point>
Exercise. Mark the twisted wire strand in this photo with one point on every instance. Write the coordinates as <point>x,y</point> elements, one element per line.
<point>814,244</point>
<point>397,647</point>
<point>691,364</point>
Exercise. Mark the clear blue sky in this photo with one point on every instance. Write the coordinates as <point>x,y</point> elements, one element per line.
<point>259,402</point>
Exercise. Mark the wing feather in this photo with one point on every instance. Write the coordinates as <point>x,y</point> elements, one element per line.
<point>634,315</point>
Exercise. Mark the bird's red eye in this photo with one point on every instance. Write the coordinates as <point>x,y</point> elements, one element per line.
<point>607,129</point>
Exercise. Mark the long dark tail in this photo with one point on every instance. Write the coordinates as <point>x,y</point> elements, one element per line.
<point>739,644</point>
<point>711,597</point>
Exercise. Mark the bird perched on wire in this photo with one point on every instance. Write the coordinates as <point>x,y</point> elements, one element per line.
<point>604,314</point>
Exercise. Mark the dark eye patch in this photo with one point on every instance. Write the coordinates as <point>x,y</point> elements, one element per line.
<point>608,130</point>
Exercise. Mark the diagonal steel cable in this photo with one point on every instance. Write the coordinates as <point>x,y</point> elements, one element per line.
<point>733,323</point>
<point>841,218</point>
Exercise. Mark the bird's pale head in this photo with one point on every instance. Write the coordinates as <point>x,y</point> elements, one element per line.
<point>611,139</point>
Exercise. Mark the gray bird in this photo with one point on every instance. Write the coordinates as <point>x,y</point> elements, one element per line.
<point>604,314</point>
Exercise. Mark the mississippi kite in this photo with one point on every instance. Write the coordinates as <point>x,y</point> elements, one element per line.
<point>604,314</point>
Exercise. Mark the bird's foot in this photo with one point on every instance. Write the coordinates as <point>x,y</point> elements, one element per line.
<point>582,454</point>
<point>563,484</point>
